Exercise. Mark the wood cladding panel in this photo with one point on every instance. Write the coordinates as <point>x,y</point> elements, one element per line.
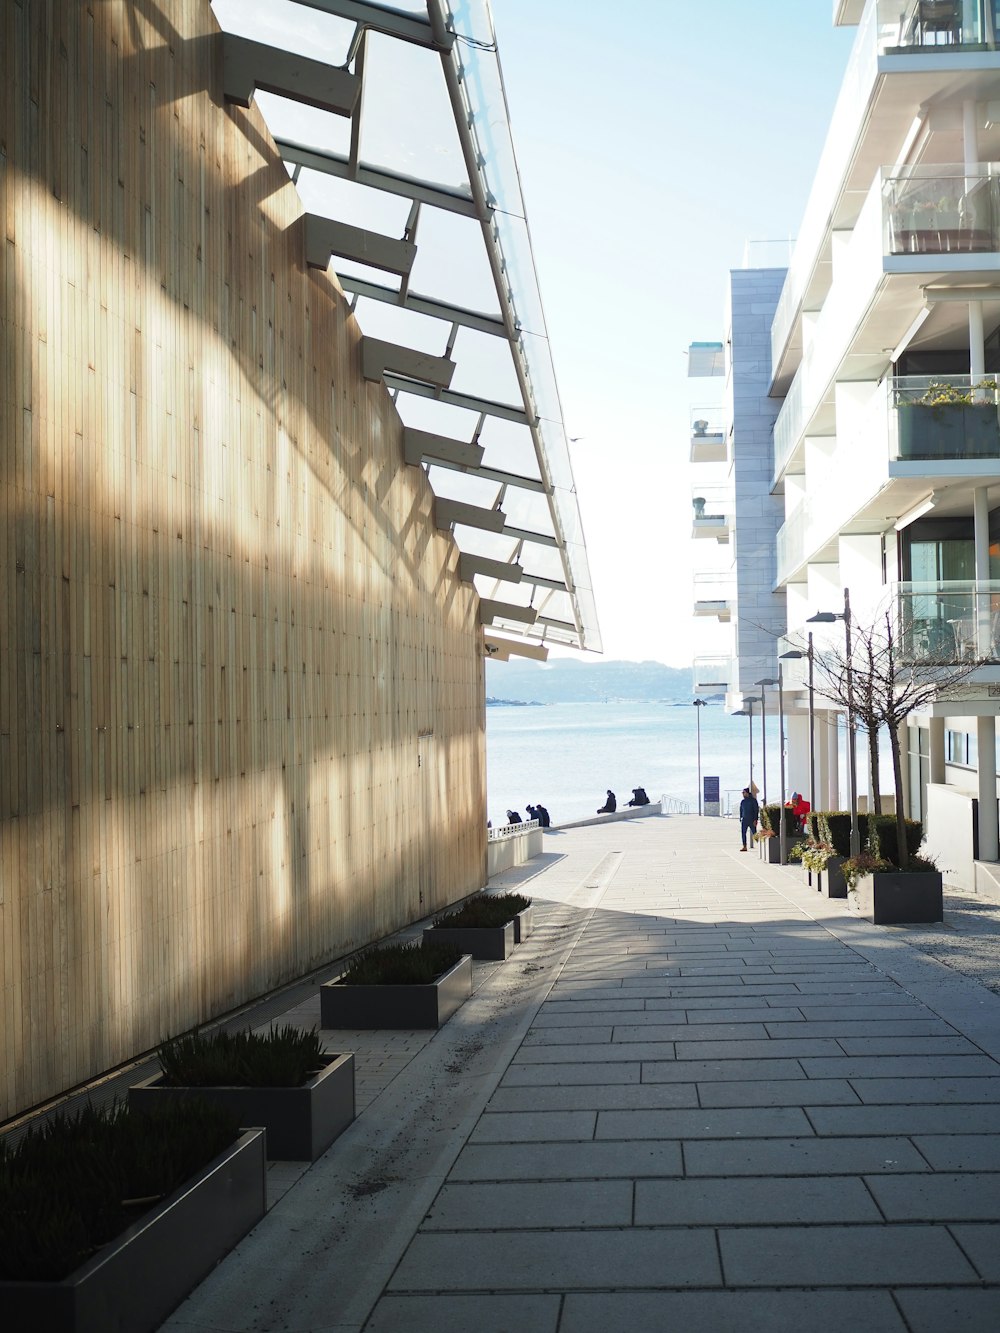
<point>241,696</point>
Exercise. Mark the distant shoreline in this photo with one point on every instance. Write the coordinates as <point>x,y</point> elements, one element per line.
<point>515,703</point>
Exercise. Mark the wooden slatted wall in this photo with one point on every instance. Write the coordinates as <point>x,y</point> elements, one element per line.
<point>229,632</point>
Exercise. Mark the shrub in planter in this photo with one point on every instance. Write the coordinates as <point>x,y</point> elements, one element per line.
<point>484,911</point>
<point>398,986</point>
<point>882,826</point>
<point>281,1080</point>
<point>888,895</point>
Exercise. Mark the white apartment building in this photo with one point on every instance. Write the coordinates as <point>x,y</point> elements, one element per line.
<point>884,458</point>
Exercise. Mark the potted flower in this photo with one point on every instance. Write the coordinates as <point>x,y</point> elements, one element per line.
<point>108,1219</point>
<point>282,1080</point>
<point>398,986</point>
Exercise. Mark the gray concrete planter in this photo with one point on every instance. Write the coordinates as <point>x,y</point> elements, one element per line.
<point>407,1007</point>
<point>832,881</point>
<point>891,897</point>
<point>524,924</point>
<point>301,1123</point>
<point>131,1284</point>
<point>485,942</point>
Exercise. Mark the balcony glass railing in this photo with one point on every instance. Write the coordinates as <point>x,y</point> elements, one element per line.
<point>944,416</point>
<point>934,24</point>
<point>948,622</point>
<point>942,210</point>
<point>711,502</point>
<point>711,675</point>
<point>708,422</point>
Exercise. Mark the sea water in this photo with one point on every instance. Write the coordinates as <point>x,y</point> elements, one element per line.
<point>565,756</point>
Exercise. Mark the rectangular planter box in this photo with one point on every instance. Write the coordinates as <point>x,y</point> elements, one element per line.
<point>524,924</point>
<point>301,1123</point>
<point>950,430</point>
<point>407,1007</point>
<point>131,1284</point>
<point>832,881</point>
<point>490,942</point>
<point>890,897</point>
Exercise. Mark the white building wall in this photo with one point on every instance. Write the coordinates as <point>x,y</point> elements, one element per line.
<point>758,514</point>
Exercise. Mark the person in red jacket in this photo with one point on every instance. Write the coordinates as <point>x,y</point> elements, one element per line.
<point>800,807</point>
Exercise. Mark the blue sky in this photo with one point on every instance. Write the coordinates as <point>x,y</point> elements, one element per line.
<point>654,140</point>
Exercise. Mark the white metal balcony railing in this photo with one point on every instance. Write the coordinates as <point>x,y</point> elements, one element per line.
<point>929,25</point>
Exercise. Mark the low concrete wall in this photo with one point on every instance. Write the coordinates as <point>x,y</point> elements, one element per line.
<point>639,812</point>
<point>512,848</point>
<point>951,816</point>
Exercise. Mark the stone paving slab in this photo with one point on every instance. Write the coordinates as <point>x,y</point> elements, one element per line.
<point>559,1261</point>
<point>941,1197</point>
<point>504,1205</point>
<point>802,1157</point>
<point>598,1097</point>
<point>567,1161</point>
<point>705,1123</point>
<point>932,1310</point>
<point>532,1075</point>
<point>535,1127</point>
<point>783,1092</point>
<point>942,1090</point>
<point>700,1071</point>
<point>486,1312</point>
<point>911,1116</point>
<point>736,1312</point>
<point>982,1244</point>
<point>822,1256</point>
<point>884,1067</point>
<point>963,1152</point>
<point>753,1201</point>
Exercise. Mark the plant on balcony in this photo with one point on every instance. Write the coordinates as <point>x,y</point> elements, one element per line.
<point>950,421</point>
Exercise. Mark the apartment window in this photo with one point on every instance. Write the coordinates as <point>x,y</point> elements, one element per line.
<point>961,749</point>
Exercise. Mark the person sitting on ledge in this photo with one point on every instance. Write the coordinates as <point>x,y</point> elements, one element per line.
<point>610,805</point>
<point>639,796</point>
<point>513,817</point>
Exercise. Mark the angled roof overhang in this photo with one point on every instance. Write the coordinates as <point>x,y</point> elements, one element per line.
<point>393,125</point>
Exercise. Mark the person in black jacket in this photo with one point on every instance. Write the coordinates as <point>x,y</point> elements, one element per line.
<point>542,815</point>
<point>639,796</point>
<point>749,814</point>
<point>610,805</point>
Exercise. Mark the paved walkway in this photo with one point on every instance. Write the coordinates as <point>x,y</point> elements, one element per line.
<point>699,1097</point>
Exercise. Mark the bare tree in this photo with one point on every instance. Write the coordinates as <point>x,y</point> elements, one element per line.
<point>890,679</point>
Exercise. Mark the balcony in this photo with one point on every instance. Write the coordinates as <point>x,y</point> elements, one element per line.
<point>944,417</point>
<point>935,25</point>
<point>712,517</point>
<point>942,210</point>
<point>714,595</point>
<point>943,623</point>
<point>708,435</point>
<point>711,675</point>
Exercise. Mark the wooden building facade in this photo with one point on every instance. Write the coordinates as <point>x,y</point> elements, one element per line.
<point>241,683</point>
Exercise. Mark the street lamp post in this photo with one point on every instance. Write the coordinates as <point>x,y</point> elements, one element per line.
<point>798,653</point>
<point>750,700</point>
<point>768,680</point>
<point>699,704</point>
<point>826,618</point>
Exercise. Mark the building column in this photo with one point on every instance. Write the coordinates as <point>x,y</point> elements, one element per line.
<point>983,607</point>
<point>937,729</point>
<point>989,824</point>
<point>903,738</point>
<point>827,757</point>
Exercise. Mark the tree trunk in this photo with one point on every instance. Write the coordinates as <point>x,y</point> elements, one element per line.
<point>902,851</point>
<point>873,769</point>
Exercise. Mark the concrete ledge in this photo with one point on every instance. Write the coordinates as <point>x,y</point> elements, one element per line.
<point>987,880</point>
<point>512,849</point>
<point>639,812</point>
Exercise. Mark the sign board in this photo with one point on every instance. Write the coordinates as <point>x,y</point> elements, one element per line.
<point>710,796</point>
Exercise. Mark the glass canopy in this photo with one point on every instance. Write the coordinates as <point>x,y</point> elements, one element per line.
<point>416,195</point>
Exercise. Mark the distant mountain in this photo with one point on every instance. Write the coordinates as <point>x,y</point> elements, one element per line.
<point>565,680</point>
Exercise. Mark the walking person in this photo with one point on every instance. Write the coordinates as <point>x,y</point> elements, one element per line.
<point>749,814</point>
